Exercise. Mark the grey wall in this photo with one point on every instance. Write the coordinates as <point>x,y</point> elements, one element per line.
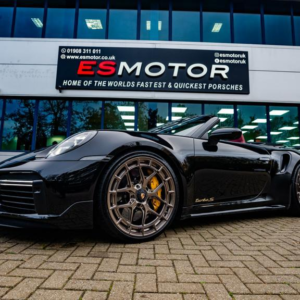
<point>28,68</point>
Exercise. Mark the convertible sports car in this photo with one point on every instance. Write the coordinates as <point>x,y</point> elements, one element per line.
<point>132,185</point>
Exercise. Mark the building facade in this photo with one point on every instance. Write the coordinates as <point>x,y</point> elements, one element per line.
<point>37,110</point>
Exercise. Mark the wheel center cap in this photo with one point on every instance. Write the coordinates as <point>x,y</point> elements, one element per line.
<point>141,195</point>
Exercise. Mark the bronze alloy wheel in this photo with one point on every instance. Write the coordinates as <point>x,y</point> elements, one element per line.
<point>141,196</point>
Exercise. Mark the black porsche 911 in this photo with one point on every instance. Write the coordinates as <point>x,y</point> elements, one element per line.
<point>132,185</point>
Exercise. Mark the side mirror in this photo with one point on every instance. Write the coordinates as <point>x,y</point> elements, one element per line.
<point>224,134</point>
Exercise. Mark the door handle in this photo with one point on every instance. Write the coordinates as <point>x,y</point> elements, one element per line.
<point>264,159</point>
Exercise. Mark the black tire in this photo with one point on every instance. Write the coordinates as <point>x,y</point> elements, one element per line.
<point>109,213</point>
<point>294,208</point>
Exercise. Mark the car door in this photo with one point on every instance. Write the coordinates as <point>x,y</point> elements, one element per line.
<point>230,172</point>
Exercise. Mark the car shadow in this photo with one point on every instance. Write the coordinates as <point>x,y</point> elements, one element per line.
<point>45,238</point>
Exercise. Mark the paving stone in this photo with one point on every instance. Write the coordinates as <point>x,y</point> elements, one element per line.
<point>81,251</point>
<point>234,284</point>
<point>58,266</point>
<point>180,288</point>
<point>136,269</point>
<point>279,279</point>
<point>94,295</point>
<point>183,267</point>
<point>84,260</point>
<point>211,255</point>
<point>34,262</point>
<point>161,296</point>
<point>246,276</point>
<point>6,281</point>
<point>85,271</point>
<point>121,291</point>
<point>198,278</point>
<point>216,291</point>
<point>60,256</point>
<point>194,297</point>
<point>31,273</point>
<point>146,283</point>
<point>57,280</point>
<point>214,271</point>
<point>109,265</point>
<point>92,285</point>
<point>56,295</point>
<point>166,274</point>
<point>271,289</point>
<point>114,276</point>
<point>8,266</point>
<point>24,289</point>
<point>129,259</point>
<point>259,297</point>
<point>198,260</point>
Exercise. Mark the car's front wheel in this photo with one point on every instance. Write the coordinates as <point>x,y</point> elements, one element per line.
<point>138,198</point>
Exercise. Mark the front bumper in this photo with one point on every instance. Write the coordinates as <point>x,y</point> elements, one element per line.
<point>78,216</point>
<point>56,194</point>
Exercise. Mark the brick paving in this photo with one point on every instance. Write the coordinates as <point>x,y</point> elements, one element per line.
<point>239,257</point>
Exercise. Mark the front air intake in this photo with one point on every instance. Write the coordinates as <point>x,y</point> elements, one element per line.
<point>17,194</point>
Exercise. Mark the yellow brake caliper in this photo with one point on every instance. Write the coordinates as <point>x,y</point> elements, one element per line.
<point>154,183</point>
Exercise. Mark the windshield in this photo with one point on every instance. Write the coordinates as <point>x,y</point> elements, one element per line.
<point>183,127</point>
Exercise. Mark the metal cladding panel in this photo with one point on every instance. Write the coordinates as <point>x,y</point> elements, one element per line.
<point>28,67</point>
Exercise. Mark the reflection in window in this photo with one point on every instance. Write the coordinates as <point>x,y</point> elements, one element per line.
<point>6,15</point>
<point>216,22</point>
<point>29,19</point>
<point>247,23</point>
<point>52,122</point>
<point>224,112</point>
<point>60,19</point>
<point>186,21</point>
<point>18,124</point>
<point>155,20</point>
<point>284,126</point>
<point>252,121</point>
<point>119,115</point>
<point>86,115</point>
<point>180,111</point>
<point>92,19</point>
<point>123,20</point>
<point>151,115</point>
<point>296,22</point>
<point>278,23</point>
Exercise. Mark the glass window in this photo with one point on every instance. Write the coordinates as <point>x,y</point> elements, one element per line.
<point>6,15</point>
<point>247,23</point>
<point>92,19</point>
<point>284,125</point>
<point>18,124</point>
<point>216,21</point>
<point>252,120</point>
<point>86,115</point>
<point>222,111</point>
<point>29,19</point>
<point>60,19</point>
<point>278,23</point>
<point>155,20</point>
<point>123,20</point>
<point>52,122</point>
<point>296,22</point>
<point>180,110</point>
<point>186,21</point>
<point>119,115</point>
<point>151,115</point>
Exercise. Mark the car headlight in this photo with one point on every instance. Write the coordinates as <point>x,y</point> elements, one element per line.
<point>72,143</point>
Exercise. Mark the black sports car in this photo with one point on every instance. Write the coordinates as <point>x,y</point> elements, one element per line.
<point>132,185</point>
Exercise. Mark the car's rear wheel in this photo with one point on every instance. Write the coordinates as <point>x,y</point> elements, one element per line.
<point>139,197</point>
